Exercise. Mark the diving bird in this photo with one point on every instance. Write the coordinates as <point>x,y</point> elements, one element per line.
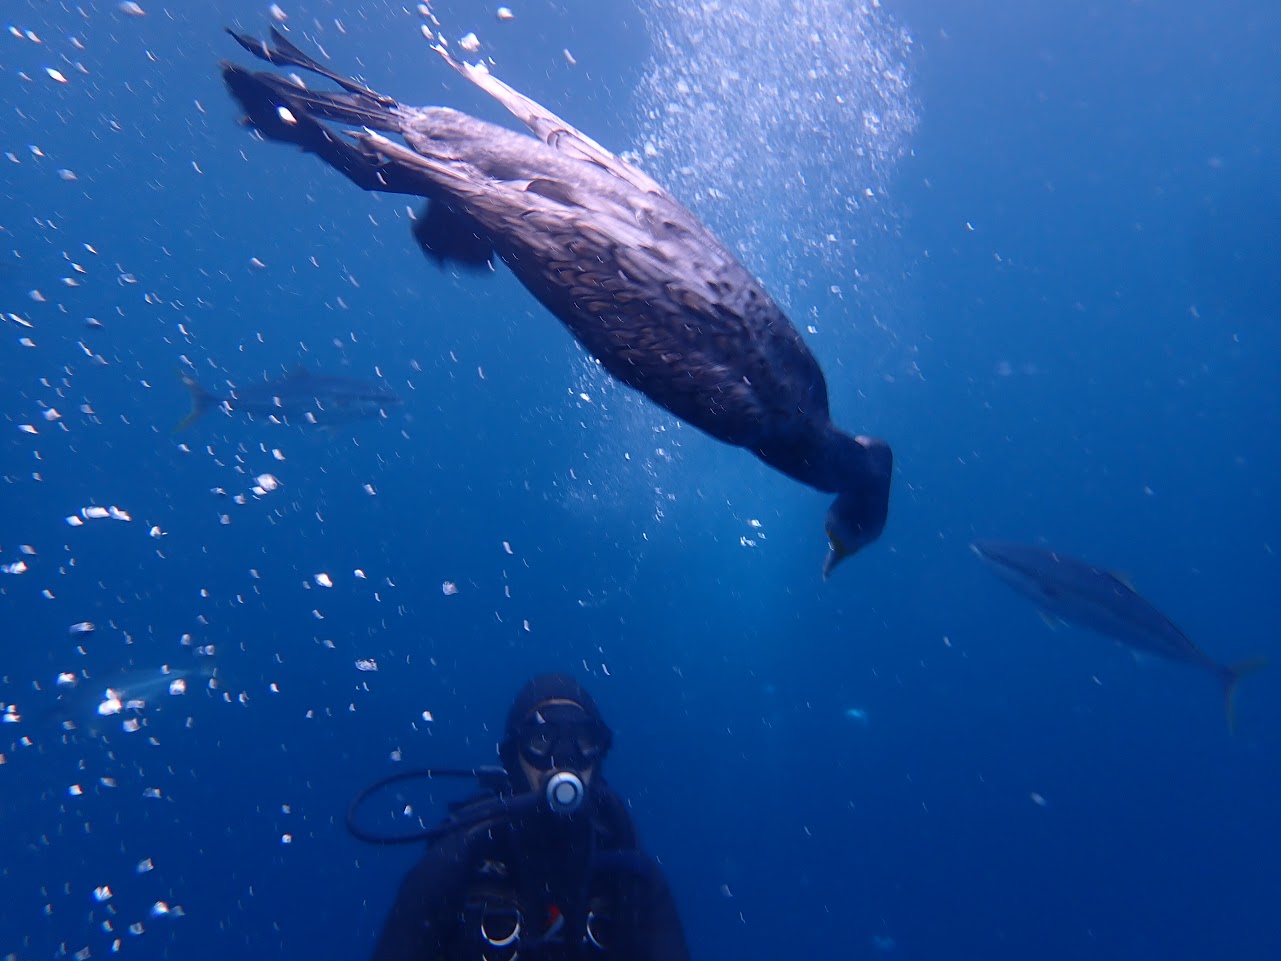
<point>632,274</point>
<point>299,396</point>
<point>1073,591</point>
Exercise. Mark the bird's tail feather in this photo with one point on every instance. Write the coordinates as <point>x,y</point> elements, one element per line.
<point>281,52</point>
<point>264,94</point>
<point>1232,674</point>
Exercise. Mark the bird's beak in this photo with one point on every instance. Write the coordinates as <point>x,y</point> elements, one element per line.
<point>836,552</point>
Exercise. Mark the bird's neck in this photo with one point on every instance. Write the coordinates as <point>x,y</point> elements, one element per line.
<point>828,460</point>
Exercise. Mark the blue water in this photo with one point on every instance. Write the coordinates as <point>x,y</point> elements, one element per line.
<point>1065,320</point>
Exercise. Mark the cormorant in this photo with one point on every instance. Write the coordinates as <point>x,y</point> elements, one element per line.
<point>633,275</point>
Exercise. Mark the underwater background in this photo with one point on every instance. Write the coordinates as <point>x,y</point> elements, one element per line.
<point>1037,247</point>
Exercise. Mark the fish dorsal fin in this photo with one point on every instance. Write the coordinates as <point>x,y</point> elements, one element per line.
<point>1124,578</point>
<point>1052,622</point>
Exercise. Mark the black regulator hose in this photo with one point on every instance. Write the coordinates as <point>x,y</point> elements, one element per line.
<point>491,777</point>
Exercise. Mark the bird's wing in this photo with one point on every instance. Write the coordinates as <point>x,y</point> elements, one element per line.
<point>548,127</point>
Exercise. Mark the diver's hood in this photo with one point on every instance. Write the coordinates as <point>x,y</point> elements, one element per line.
<point>540,690</point>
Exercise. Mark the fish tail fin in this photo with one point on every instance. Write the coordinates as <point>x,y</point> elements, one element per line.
<point>1232,674</point>
<point>201,401</point>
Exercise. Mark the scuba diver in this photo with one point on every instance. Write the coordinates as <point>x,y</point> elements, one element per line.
<point>543,864</point>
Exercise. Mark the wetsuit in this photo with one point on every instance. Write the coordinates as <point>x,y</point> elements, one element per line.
<point>536,888</point>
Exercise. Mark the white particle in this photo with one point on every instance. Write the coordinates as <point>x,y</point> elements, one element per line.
<point>448,588</point>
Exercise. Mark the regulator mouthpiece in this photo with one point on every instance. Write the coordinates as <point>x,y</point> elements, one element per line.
<point>565,792</point>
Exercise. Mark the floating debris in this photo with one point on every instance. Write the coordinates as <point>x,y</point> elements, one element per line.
<point>504,13</point>
<point>82,627</point>
<point>449,587</point>
<point>131,9</point>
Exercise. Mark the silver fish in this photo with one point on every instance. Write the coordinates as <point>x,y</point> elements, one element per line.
<point>1075,592</point>
<point>298,396</point>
